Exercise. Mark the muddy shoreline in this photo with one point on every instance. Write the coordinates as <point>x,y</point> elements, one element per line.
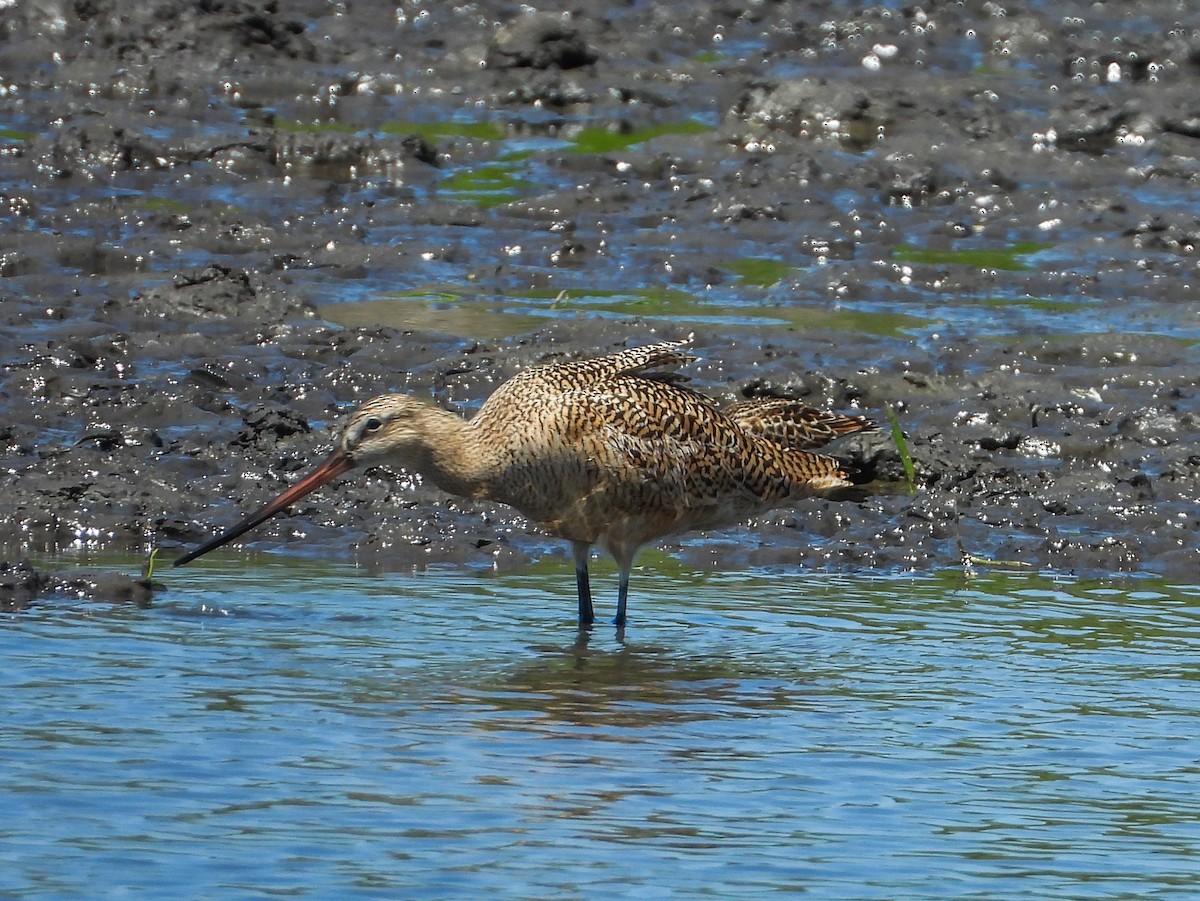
<point>985,221</point>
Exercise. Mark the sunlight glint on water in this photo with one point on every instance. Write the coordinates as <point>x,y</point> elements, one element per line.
<point>446,735</point>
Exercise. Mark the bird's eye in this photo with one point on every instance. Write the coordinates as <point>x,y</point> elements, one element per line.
<point>374,424</point>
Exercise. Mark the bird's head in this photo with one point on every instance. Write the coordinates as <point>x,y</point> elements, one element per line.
<point>391,428</point>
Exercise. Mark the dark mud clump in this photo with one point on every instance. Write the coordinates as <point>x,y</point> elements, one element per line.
<point>21,585</point>
<point>227,223</point>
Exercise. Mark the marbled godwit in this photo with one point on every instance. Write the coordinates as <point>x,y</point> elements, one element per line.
<point>612,451</point>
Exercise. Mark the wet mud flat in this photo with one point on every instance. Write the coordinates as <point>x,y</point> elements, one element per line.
<point>225,224</point>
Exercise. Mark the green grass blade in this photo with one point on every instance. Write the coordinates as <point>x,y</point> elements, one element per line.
<point>148,572</point>
<point>910,471</point>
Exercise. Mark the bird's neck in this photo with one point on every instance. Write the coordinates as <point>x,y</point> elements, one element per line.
<point>455,461</point>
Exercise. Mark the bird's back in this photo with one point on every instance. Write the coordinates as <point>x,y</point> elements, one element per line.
<point>617,446</point>
<point>555,378</point>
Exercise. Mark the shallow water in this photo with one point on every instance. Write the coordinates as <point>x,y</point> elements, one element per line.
<point>307,730</point>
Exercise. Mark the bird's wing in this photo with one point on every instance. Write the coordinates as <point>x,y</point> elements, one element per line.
<point>677,440</point>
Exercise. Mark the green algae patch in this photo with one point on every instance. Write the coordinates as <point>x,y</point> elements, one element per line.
<point>489,184</point>
<point>1008,259</point>
<point>596,139</point>
<point>468,310</point>
<point>759,271</point>
<point>16,137</point>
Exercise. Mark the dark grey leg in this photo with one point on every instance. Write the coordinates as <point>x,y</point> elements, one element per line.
<point>622,596</point>
<point>587,615</point>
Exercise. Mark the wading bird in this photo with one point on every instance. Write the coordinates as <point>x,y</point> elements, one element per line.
<point>612,451</point>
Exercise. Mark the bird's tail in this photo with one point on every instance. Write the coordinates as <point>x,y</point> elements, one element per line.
<point>793,424</point>
<point>665,356</point>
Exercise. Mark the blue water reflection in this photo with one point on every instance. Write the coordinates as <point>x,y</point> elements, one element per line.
<point>306,730</point>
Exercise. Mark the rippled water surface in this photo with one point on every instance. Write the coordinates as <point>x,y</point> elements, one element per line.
<point>296,730</point>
